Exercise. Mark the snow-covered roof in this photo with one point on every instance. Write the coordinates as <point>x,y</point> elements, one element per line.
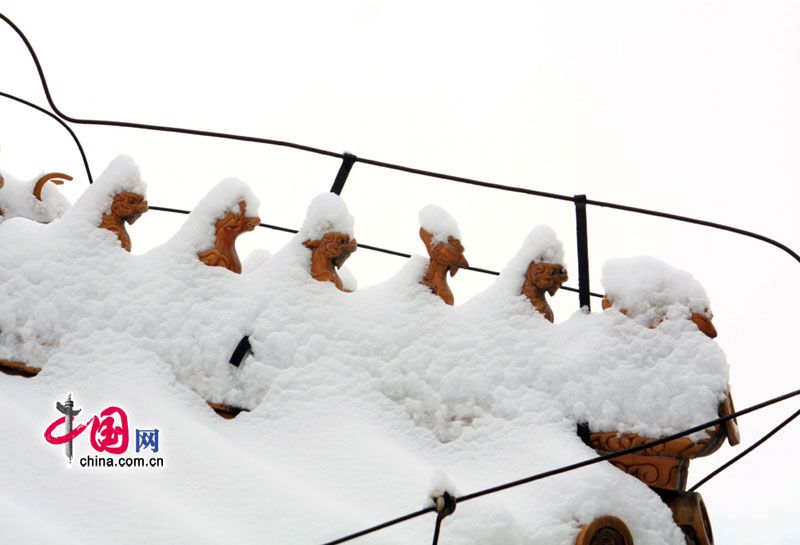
<point>359,404</point>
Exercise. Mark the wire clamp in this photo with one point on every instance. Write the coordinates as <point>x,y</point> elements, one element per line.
<point>444,503</point>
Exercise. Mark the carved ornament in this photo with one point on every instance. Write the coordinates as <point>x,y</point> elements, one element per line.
<point>444,257</point>
<point>666,466</point>
<point>542,278</point>
<point>17,368</point>
<point>682,447</point>
<point>655,471</point>
<point>227,229</point>
<point>689,513</point>
<point>56,177</point>
<point>328,254</point>
<point>731,426</point>
<point>228,412</point>
<point>126,207</point>
<point>605,530</point>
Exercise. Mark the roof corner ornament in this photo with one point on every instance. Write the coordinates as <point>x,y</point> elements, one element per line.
<point>665,468</point>
<point>444,257</point>
<point>126,207</point>
<point>227,230</point>
<point>605,530</point>
<point>328,254</point>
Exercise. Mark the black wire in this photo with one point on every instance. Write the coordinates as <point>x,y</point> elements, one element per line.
<point>60,122</point>
<point>578,465</point>
<point>144,126</point>
<point>695,221</point>
<point>436,529</point>
<point>365,246</point>
<point>381,526</point>
<point>442,176</point>
<point>744,453</point>
<point>461,179</point>
<point>631,450</point>
<point>376,163</point>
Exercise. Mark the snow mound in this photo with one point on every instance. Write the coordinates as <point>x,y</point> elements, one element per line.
<point>650,290</point>
<point>17,200</point>
<point>438,223</point>
<point>121,175</point>
<point>349,281</point>
<point>542,245</point>
<point>504,298</point>
<point>198,232</point>
<point>326,213</point>
<point>255,259</point>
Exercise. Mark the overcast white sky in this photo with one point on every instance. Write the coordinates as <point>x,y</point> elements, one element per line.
<point>686,107</point>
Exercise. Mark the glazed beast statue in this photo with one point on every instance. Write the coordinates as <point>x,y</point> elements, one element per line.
<point>541,278</point>
<point>227,229</point>
<point>126,207</point>
<point>444,257</point>
<point>328,254</point>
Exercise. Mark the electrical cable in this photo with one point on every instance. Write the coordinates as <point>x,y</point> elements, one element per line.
<point>60,115</point>
<point>745,452</point>
<point>373,162</point>
<point>60,122</point>
<point>578,465</point>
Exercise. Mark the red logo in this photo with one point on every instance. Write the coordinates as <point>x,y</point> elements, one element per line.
<point>109,429</point>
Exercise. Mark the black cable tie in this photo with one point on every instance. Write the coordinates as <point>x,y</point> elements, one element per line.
<point>344,171</point>
<point>445,505</point>
<point>242,350</point>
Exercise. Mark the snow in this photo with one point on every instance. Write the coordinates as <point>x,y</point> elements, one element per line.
<point>541,246</point>
<point>441,483</point>
<point>326,213</point>
<point>349,281</point>
<point>17,200</point>
<point>438,223</point>
<point>255,259</point>
<point>361,404</point>
<point>198,232</point>
<point>650,290</point>
<point>120,175</point>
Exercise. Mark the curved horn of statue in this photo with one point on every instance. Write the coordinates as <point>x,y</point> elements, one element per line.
<point>57,178</point>
<point>227,229</point>
<point>126,207</point>
<point>542,278</point>
<point>444,257</point>
<point>328,254</point>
